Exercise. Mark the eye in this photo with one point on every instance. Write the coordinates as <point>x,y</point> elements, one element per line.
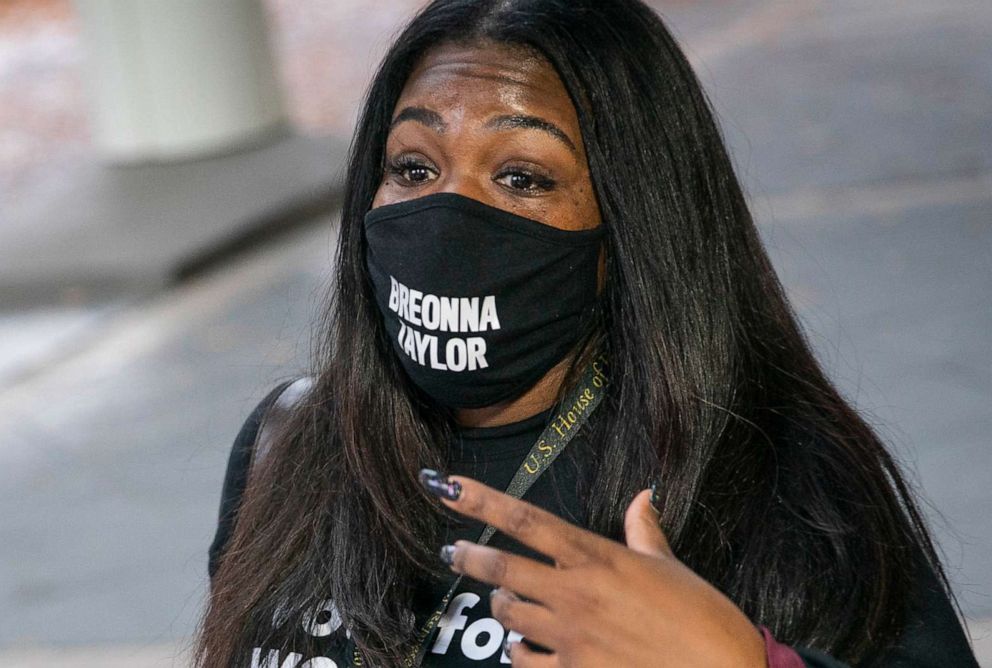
<point>526,181</point>
<point>411,170</point>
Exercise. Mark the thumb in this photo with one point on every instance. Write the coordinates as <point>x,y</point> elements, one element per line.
<point>641,528</point>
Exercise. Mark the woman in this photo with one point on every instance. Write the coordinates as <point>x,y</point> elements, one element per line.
<point>548,281</point>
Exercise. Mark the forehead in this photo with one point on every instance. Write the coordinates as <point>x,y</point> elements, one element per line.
<point>483,78</point>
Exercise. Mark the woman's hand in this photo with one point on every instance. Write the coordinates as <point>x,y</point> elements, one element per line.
<point>602,603</point>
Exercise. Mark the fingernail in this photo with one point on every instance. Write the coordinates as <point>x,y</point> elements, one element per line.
<point>507,645</point>
<point>439,485</point>
<point>655,496</point>
<point>504,592</point>
<point>448,554</point>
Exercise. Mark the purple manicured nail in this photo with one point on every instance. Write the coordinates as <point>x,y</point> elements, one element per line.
<point>439,485</point>
<point>507,645</point>
<point>655,496</point>
<point>447,554</point>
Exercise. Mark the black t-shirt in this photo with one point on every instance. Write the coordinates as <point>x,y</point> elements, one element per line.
<point>468,635</point>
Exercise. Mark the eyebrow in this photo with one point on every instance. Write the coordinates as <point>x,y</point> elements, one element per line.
<point>433,120</point>
<point>421,115</point>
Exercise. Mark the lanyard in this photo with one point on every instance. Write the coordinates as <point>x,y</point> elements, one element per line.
<point>572,415</point>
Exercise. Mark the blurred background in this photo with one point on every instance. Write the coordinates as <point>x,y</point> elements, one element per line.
<point>169,172</point>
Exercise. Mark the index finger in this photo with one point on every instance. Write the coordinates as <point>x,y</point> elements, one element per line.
<point>550,535</point>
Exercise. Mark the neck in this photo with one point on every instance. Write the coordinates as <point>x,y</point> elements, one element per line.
<point>538,398</point>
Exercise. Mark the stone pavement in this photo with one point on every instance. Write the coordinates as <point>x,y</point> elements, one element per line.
<point>110,463</point>
<point>860,130</point>
<point>150,656</point>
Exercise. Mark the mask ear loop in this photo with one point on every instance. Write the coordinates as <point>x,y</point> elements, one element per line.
<point>587,347</point>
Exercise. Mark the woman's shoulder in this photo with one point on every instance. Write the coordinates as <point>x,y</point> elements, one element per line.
<point>821,488</point>
<point>253,439</point>
<point>251,443</point>
<point>276,407</point>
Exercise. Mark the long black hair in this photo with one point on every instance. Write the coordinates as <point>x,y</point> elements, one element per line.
<point>774,489</point>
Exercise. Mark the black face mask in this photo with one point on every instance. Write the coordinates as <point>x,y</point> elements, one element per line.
<point>479,303</point>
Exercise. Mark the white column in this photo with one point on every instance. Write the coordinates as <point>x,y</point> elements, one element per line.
<point>178,79</point>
